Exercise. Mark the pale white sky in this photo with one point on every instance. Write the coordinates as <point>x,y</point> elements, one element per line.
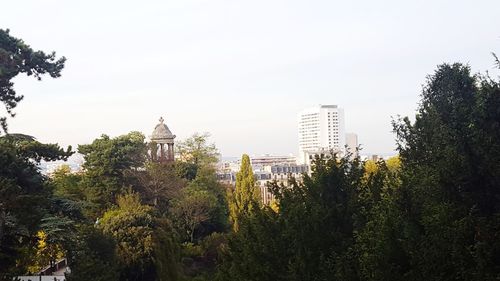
<point>240,70</point>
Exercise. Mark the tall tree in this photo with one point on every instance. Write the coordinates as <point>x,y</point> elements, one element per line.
<point>17,57</point>
<point>245,198</point>
<point>451,174</point>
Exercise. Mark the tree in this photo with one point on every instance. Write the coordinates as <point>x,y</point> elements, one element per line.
<point>47,253</point>
<point>192,209</point>
<point>257,251</point>
<point>380,247</point>
<point>196,153</point>
<point>131,224</point>
<point>92,254</point>
<point>246,197</point>
<point>450,176</point>
<point>144,248</point>
<point>17,57</point>
<point>111,157</point>
<point>24,196</point>
<point>197,150</point>
<point>158,184</point>
<point>108,162</point>
<point>67,184</point>
<point>206,181</point>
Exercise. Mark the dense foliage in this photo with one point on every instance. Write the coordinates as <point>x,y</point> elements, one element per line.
<point>430,214</point>
<point>26,204</point>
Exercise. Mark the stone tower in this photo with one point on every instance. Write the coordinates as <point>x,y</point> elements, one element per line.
<point>162,143</point>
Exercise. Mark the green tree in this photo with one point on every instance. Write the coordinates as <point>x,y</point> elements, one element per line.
<point>196,153</point>
<point>196,150</point>
<point>17,57</point>
<point>67,184</point>
<point>24,197</point>
<point>192,209</point>
<point>158,184</point>
<point>92,256</point>
<point>380,247</point>
<point>245,198</point>
<point>144,248</point>
<point>451,169</point>
<point>206,181</point>
<point>108,162</point>
<point>257,251</point>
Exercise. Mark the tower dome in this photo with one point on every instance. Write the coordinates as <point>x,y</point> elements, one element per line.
<point>162,133</point>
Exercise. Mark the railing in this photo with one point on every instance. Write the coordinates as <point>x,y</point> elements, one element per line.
<point>41,278</point>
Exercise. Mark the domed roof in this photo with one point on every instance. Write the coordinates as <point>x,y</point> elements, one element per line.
<point>161,132</point>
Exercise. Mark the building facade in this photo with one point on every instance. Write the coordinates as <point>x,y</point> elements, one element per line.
<point>266,169</point>
<point>321,129</point>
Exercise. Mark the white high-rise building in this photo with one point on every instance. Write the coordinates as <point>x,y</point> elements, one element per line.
<point>321,129</point>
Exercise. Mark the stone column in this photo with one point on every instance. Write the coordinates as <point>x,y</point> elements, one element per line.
<point>171,152</point>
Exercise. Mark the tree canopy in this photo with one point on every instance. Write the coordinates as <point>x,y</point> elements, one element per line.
<point>24,197</point>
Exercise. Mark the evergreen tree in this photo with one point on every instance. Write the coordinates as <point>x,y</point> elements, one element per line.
<point>246,196</point>
<point>450,200</point>
<point>107,166</point>
<point>25,199</point>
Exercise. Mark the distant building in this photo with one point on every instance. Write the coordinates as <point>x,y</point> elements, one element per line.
<point>351,141</point>
<point>282,174</point>
<point>321,130</point>
<point>266,170</point>
<point>272,160</point>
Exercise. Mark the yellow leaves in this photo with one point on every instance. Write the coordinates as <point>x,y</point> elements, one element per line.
<point>274,206</point>
<point>393,163</point>
<point>45,252</point>
<point>63,170</point>
<point>370,168</point>
<point>42,239</point>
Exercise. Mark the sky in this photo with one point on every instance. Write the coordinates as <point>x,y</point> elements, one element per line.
<point>240,70</point>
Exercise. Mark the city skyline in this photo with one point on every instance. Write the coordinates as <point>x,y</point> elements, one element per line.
<point>240,71</point>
